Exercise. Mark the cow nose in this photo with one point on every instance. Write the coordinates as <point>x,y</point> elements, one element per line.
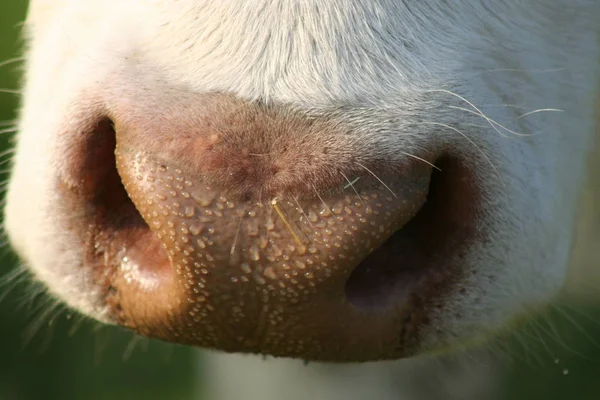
<point>254,228</point>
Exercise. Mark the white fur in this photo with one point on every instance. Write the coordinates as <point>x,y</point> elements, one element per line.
<point>399,71</point>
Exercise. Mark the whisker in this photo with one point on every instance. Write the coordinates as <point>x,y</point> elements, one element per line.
<point>296,233</point>
<point>520,107</point>
<point>470,141</point>
<point>133,343</point>
<point>530,71</point>
<point>78,322</point>
<point>493,123</point>
<point>44,313</point>
<point>376,177</point>
<point>351,184</point>
<point>422,159</point>
<point>8,130</point>
<point>302,211</point>
<point>538,337</point>
<point>9,61</point>
<point>479,112</point>
<point>554,333</point>
<point>323,201</point>
<point>540,110</point>
<point>4,157</point>
<point>576,325</point>
<point>10,91</point>
<point>579,312</point>
<point>237,232</point>
<point>11,280</point>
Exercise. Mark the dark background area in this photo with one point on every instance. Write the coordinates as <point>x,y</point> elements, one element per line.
<point>48,353</point>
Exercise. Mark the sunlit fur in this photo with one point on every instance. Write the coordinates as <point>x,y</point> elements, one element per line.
<point>509,83</point>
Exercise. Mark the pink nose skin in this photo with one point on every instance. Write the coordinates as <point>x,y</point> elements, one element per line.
<point>256,228</point>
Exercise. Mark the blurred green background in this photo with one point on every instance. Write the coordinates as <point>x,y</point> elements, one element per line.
<point>556,356</point>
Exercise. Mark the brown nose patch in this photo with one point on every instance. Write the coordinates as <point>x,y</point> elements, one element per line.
<point>259,275</point>
<point>252,221</point>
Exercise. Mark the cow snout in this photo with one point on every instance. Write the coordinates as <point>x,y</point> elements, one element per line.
<point>258,228</point>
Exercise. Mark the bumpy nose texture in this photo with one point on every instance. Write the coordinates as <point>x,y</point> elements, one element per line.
<point>254,224</point>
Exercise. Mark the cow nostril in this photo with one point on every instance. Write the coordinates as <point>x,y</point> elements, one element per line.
<point>98,184</point>
<point>118,241</point>
<point>430,242</point>
<point>103,186</point>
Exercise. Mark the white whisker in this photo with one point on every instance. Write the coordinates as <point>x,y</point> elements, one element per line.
<point>422,159</point>
<point>478,111</point>
<point>323,201</point>
<point>302,211</point>
<point>237,232</point>
<point>376,177</point>
<point>492,122</point>
<point>9,61</point>
<point>470,141</point>
<point>8,130</point>
<point>10,91</point>
<point>351,184</point>
<point>540,110</point>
